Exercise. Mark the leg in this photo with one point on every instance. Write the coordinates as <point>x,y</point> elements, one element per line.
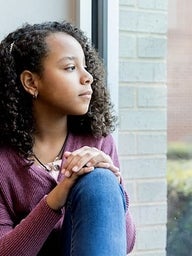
<point>95,216</point>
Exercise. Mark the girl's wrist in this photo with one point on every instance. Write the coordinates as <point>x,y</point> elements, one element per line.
<point>57,198</point>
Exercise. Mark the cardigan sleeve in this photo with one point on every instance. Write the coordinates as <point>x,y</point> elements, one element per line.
<point>109,148</point>
<point>24,239</point>
<point>130,227</point>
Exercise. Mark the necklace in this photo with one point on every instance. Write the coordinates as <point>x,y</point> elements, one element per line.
<point>55,165</point>
<point>52,166</point>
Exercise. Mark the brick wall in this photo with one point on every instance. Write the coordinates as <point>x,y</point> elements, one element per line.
<point>142,114</point>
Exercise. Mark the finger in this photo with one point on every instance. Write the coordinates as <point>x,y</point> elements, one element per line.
<point>98,158</point>
<point>86,155</point>
<point>119,179</point>
<point>91,156</point>
<point>79,173</point>
<point>67,154</point>
<point>117,174</point>
<point>78,160</point>
<point>71,161</point>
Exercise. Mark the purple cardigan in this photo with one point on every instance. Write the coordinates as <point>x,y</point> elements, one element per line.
<point>26,220</point>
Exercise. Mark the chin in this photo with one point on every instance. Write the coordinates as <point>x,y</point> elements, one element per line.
<point>83,111</point>
<point>80,110</point>
<point>79,113</point>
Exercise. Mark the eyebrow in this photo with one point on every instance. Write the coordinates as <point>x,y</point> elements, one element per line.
<point>67,58</point>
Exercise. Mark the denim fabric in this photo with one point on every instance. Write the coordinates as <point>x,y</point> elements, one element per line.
<point>94,223</point>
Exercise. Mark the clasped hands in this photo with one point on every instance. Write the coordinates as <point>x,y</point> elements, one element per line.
<point>85,159</point>
<point>77,163</point>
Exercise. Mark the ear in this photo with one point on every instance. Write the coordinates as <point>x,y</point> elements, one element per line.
<point>29,81</point>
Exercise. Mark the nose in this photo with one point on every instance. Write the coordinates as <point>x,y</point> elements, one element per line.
<point>86,78</point>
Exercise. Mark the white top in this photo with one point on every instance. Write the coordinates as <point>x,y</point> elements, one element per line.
<point>54,168</point>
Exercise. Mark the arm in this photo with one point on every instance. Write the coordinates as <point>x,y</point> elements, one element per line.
<point>130,227</point>
<point>33,230</point>
<point>30,234</point>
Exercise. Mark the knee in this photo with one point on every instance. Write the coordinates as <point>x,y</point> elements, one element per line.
<point>99,179</point>
<point>99,185</point>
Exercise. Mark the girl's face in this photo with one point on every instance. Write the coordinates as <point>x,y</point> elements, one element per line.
<point>65,85</point>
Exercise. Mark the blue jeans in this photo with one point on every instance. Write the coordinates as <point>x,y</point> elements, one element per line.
<point>94,223</point>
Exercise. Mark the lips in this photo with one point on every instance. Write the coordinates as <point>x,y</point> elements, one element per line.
<point>86,94</point>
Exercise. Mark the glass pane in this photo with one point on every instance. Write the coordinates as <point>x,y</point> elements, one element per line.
<point>179,164</point>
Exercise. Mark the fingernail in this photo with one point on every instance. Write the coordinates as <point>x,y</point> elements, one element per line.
<point>67,174</point>
<point>75,169</point>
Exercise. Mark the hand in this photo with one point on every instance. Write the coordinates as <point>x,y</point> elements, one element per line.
<point>87,158</point>
<point>78,162</point>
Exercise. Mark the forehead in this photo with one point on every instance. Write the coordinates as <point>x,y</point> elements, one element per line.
<point>62,43</point>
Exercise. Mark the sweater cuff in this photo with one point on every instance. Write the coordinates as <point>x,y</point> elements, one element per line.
<point>49,209</point>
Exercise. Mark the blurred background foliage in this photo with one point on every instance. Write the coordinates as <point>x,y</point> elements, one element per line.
<point>179,179</point>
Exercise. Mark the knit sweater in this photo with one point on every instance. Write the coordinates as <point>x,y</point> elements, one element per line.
<point>26,221</point>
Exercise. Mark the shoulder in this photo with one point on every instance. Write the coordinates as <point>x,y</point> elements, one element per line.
<point>9,159</point>
<point>5,154</point>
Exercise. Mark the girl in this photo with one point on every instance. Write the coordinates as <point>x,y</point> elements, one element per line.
<point>60,187</point>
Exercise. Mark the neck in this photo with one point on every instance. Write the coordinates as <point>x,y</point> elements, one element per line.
<point>50,124</point>
<point>49,127</point>
<point>49,138</point>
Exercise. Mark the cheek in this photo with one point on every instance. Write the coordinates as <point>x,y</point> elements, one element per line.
<point>64,94</point>
<point>57,87</point>
<point>53,85</point>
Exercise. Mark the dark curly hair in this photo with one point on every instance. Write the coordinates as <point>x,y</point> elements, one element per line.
<point>24,49</point>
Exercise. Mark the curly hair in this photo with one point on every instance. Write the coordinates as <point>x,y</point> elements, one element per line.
<point>24,49</point>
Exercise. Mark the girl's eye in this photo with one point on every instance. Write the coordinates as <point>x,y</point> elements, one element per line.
<point>70,68</point>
